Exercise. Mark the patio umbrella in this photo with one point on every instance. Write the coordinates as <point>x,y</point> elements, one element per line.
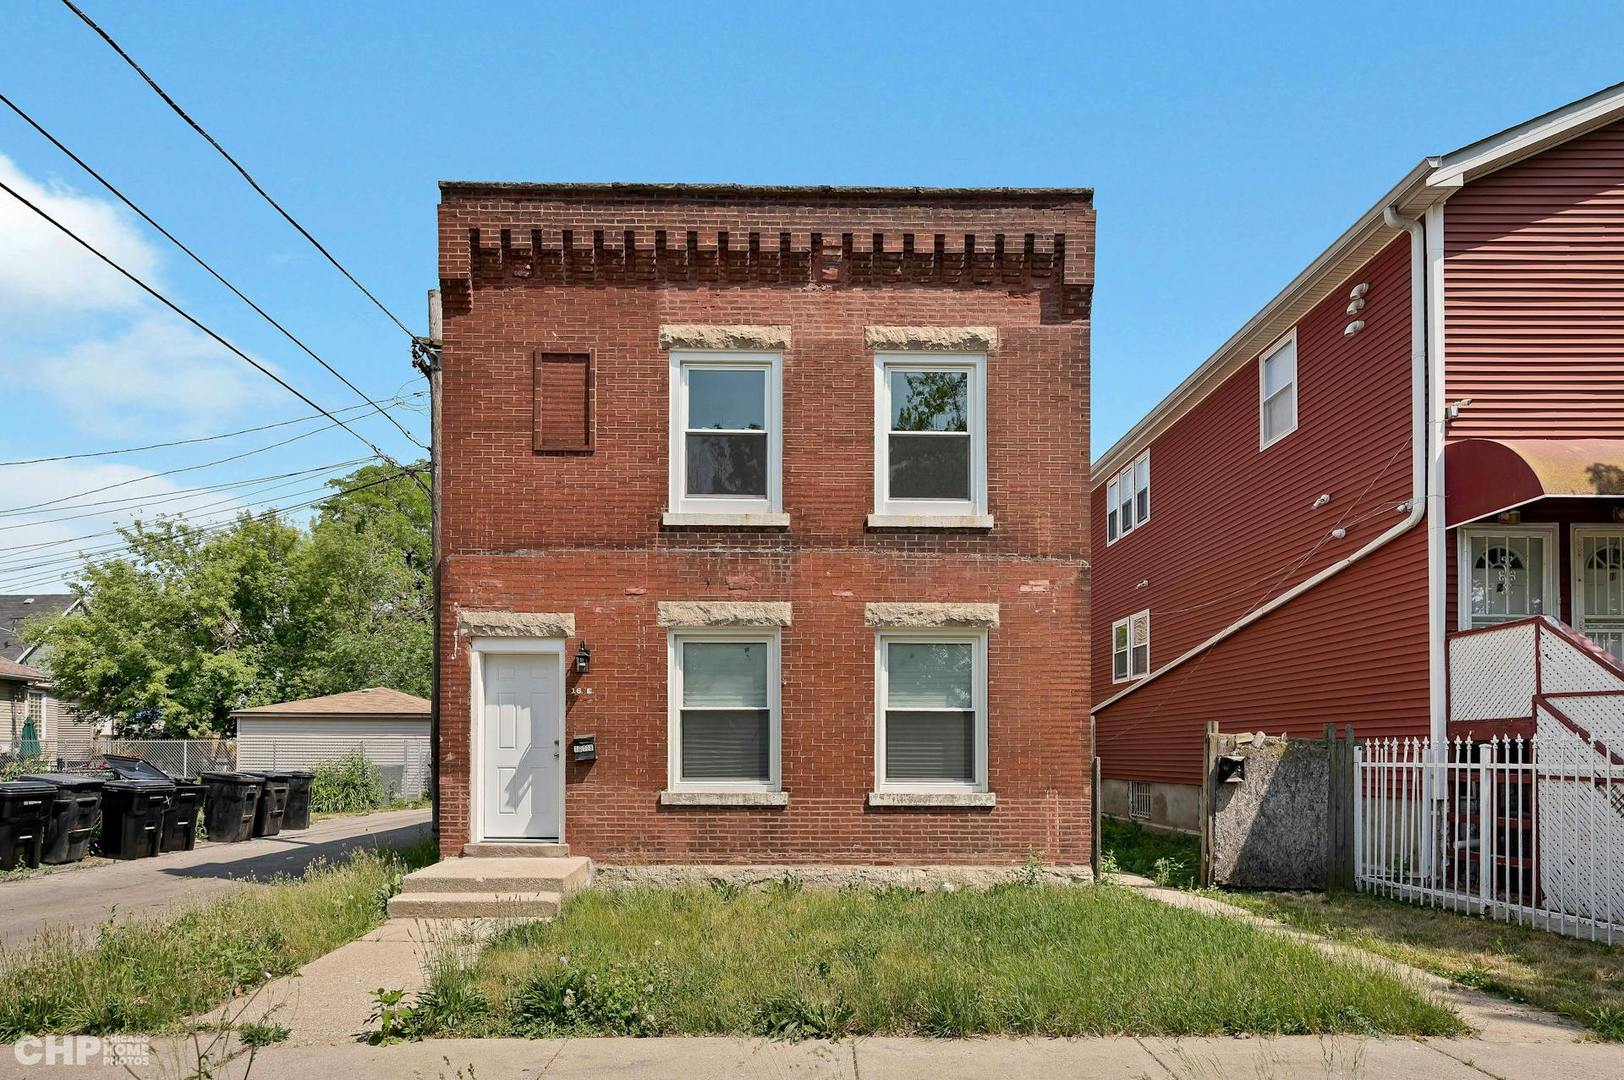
<point>28,747</point>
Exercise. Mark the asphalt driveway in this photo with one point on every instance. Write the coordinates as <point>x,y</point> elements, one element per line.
<point>83,898</point>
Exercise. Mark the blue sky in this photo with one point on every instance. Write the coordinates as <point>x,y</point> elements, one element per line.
<point>1226,144</point>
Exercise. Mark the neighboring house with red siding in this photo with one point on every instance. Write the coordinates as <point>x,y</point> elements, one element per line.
<point>763,530</point>
<point>1422,434</point>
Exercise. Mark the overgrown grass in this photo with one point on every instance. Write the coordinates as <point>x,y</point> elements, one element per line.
<point>1017,959</point>
<point>1579,979</point>
<point>1166,858</point>
<point>350,784</point>
<point>147,976</point>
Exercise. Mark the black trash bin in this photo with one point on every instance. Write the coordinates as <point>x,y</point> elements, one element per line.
<point>180,820</point>
<point>133,817</point>
<point>230,803</point>
<point>25,812</point>
<point>76,802</point>
<point>273,803</point>
<point>297,813</point>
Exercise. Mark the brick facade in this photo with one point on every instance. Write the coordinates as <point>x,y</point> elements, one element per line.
<point>598,270</point>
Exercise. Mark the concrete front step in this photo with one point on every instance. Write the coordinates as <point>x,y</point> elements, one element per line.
<point>474,905</point>
<point>522,849</point>
<point>504,875</point>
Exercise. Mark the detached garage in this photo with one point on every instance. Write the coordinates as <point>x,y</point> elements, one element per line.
<point>389,727</point>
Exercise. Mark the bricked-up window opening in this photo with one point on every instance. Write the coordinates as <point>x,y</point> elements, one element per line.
<point>724,690</point>
<point>726,445</point>
<point>1138,799</point>
<point>930,445</point>
<point>932,697</point>
<point>563,402</point>
<point>1277,391</point>
<point>1127,499</point>
<point>1130,647</point>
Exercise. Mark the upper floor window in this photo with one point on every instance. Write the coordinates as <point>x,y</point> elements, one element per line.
<point>1277,391</point>
<point>1127,499</point>
<point>930,445</point>
<point>1130,647</point>
<point>726,437</point>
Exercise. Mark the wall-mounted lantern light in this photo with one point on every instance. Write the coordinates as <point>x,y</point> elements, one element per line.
<point>583,659</point>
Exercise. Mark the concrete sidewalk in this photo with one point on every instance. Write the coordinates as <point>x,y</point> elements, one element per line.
<point>1294,1058</point>
<point>82,899</point>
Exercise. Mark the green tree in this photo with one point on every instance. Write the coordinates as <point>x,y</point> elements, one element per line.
<point>190,624</point>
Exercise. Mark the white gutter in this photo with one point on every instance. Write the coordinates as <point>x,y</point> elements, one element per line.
<point>1420,467</point>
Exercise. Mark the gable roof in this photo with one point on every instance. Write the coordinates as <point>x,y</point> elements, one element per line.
<point>16,607</point>
<point>376,701</point>
<point>1432,179</point>
<point>15,672</point>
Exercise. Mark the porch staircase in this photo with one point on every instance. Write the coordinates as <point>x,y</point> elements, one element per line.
<point>493,880</point>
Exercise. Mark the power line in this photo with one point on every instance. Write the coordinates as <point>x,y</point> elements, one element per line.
<point>33,580</point>
<point>195,126</point>
<point>178,310</point>
<point>195,257</point>
<point>389,403</point>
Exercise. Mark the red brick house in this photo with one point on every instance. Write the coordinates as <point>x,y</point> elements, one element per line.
<point>763,530</point>
<point>1421,438</point>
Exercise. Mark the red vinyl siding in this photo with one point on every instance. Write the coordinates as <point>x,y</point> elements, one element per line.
<point>1534,295</point>
<point>1231,527</point>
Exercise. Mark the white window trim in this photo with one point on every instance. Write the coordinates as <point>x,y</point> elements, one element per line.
<point>1128,622</point>
<point>978,686</point>
<point>673,694</point>
<point>686,509</point>
<point>1113,499</point>
<point>975,507</point>
<point>1290,338</point>
<point>1463,565</point>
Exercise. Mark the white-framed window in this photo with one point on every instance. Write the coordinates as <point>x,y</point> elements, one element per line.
<point>1277,391</point>
<point>727,437</point>
<point>1139,799</point>
<point>930,434</point>
<point>724,720</point>
<point>930,729</point>
<point>1127,499</point>
<point>1130,647</point>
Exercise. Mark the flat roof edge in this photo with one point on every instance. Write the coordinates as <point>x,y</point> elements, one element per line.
<point>1083,195</point>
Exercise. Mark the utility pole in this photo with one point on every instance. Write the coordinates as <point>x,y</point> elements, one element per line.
<point>426,353</point>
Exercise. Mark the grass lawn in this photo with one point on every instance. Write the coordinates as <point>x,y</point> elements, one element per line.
<point>1166,858</point>
<point>1016,959</point>
<point>1579,979</point>
<point>147,976</point>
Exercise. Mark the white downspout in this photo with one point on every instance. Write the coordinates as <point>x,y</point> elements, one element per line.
<point>1420,467</point>
<point>1437,520</point>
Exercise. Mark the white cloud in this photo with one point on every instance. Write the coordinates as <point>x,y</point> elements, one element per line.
<point>155,373</point>
<point>44,274</point>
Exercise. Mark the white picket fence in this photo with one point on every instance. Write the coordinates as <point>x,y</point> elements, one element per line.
<point>1523,829</point>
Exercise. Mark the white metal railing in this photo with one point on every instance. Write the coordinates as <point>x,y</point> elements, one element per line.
<point>1523,829</point>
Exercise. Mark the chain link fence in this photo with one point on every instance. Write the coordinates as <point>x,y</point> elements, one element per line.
<point>177,757</point>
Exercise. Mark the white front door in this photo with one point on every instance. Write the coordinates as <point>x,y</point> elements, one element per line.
<point>1598,585</point>
<point>1507,572</point>
<point>520,737</point>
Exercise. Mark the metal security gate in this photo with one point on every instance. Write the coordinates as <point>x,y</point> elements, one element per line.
<point>1523,829</point>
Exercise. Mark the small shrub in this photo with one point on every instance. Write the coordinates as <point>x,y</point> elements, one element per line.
<point>351,784</point>
<point>1169,872</point>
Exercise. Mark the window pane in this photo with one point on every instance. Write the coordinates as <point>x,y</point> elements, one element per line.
<point>725,745</point>
<point>1125,486</point>
<point>1142,504</point>
<point>1278,415</point>
<point>1141,473</point>
<point>1119,634</point>
<point>930,675</point>
<point>930,746</point>
<point>1141,659</point>
<point>1279,369</point>
<point>735,400</point>
<point>930,400</point>
<point>1119,664</point>
<point>727,465</point>
<point>724,674</point>
<point>1111,524</point>
<point>930,467</point>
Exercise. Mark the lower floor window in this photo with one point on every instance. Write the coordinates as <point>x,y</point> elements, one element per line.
<point>725,690</point>
<point>1130,647</point>
<point>1138,799</point>
<point>932,714</point>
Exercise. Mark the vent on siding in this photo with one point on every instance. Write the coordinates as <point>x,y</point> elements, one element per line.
<point>563,402</point>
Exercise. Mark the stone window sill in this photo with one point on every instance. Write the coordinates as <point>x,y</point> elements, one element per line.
<point>736,521</point>
<point>933,799</point>
<point>930,521</point>
<point>724,798</point>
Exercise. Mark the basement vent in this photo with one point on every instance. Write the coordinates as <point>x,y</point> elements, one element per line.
<point>1139,799</point>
